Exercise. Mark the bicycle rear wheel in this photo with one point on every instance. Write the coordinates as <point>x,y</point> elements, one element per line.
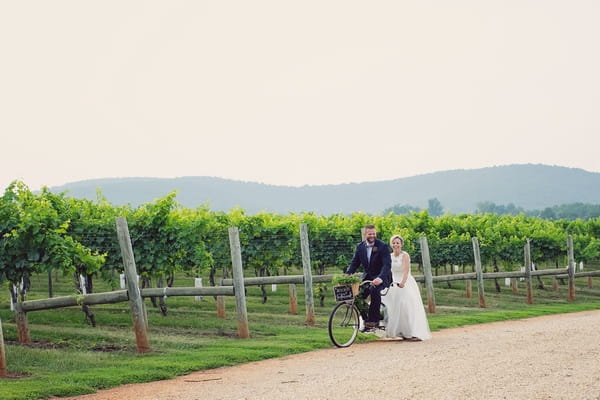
<point>343,324</point>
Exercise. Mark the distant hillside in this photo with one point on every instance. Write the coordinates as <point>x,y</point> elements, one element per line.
<point>528,186</point>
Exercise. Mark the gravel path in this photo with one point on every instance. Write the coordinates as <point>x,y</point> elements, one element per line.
<point>551,357</point>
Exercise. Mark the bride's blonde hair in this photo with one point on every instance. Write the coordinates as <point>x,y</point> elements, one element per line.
<point>396,237</point>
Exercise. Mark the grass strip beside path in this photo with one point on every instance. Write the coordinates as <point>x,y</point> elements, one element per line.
<point>69,357</point>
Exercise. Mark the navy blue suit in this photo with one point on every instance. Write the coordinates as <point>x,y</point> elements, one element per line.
<point>378,266</point>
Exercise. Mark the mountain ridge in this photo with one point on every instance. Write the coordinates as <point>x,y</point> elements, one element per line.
<point>531,186</point>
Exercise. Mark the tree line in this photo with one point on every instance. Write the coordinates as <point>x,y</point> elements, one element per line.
<point>564,211</point>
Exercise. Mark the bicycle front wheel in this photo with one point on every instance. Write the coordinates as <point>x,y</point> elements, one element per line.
<point>343,324</point>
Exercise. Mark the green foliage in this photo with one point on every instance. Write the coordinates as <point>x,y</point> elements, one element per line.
<point>332,239</point>
<point>44,231</point>
<point>155,240</point>
<point>34,236</point>
<point>93,225</point>
<point>342,279</point>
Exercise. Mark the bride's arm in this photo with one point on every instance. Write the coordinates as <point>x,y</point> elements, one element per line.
<point>405,268</point>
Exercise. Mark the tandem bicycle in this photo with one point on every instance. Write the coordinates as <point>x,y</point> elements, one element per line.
<point>346,319</point>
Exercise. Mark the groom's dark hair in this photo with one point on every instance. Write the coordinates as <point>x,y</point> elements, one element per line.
<point>370,226</point>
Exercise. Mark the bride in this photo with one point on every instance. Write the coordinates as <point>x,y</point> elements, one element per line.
<point>406,314</point>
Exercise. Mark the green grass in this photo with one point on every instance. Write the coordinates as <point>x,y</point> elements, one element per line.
<point>69,357</point>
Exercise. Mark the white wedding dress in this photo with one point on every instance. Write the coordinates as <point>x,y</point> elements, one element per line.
<point>405,312</point>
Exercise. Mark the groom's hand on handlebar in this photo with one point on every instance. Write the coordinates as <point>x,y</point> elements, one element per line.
<point>377,281</point>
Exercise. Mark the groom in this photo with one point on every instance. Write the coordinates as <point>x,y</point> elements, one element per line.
<point>374,256</point>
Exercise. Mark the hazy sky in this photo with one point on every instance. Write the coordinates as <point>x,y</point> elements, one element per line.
<point>295,92</point>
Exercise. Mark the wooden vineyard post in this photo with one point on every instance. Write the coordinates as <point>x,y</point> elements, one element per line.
<point>293,299</point>
<point>22,324</point>
<point>221,313</point>
<point>479,272</point>
<point>528,279</point>
<point>571,267</point>
<point>138,315</point>
<point>428,275</point>
<point>554,284</point>
<point>3,372</point>
<point>307,268</point>
<point>221,307</point>
<point>469,288</point>
<point>50,288</point>
<point>238,283</point>
<point>514,285</point>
